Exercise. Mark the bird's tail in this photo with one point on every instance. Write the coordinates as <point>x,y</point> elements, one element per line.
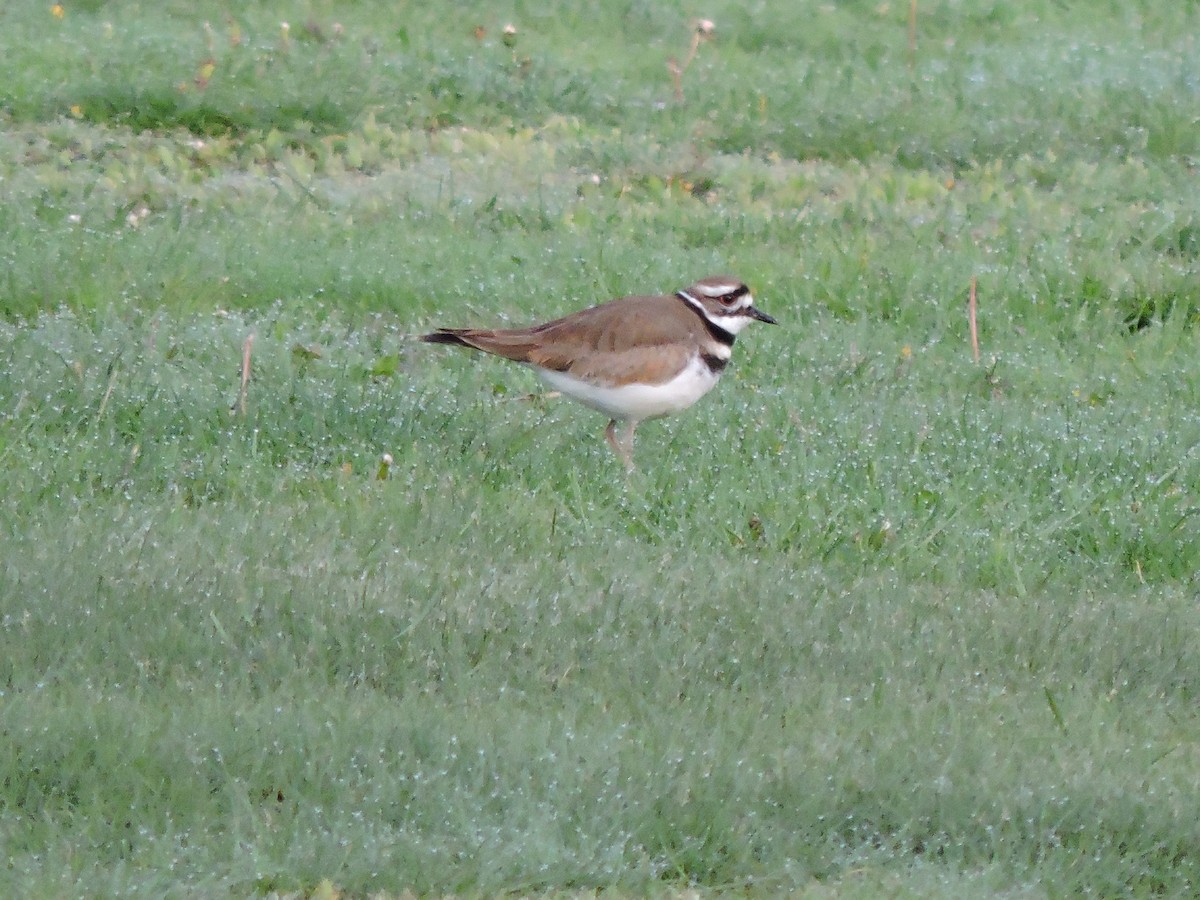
<point>514,344</point>
<point>446,336</point>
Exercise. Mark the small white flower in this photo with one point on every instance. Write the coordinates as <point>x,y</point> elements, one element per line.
<point>134,219</point>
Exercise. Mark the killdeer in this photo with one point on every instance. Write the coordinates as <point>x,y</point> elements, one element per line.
<point>632,359</point>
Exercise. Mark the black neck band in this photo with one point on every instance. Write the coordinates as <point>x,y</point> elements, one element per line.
<point>718,334</point>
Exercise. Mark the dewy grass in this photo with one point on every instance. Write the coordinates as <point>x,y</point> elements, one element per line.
<point>873,619</point>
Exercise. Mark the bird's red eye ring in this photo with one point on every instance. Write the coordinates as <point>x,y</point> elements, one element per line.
<point>732,297</point>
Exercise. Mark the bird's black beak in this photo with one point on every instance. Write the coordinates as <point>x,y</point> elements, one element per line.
<point>755,313</point>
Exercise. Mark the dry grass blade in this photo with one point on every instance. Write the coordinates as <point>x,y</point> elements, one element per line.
<point>243,392</point>
<point>971,317</point>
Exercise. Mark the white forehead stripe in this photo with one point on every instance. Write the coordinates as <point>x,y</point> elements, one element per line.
<point>720,289</point>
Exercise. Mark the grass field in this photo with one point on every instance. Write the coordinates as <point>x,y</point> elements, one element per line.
<point>875,618</point>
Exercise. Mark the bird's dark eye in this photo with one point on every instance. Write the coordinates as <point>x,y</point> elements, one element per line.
<point>732,297</point>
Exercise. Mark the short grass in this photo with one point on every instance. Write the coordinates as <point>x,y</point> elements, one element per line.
<point>873,619</point>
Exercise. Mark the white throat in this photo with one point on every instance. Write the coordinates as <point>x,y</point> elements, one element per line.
<point>730,320</point>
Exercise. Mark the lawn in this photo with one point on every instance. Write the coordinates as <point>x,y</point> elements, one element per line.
<point>885,614</point>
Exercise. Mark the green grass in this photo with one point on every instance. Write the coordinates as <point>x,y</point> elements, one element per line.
<point>873,619</point>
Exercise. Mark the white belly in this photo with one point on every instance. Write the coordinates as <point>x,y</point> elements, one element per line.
<point>639,401</point>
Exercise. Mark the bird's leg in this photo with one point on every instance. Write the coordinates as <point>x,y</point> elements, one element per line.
<point>623,445</point>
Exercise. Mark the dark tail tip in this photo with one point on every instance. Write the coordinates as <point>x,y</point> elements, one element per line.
<point>444,336</point>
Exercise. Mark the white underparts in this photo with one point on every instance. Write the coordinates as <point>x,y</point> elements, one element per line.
<point>636,402</point>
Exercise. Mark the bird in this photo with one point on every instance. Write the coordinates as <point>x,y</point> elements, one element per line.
<point>634,358</point>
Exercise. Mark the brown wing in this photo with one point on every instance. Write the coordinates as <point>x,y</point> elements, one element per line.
<point>610,343</point>
<point>644,365</point>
